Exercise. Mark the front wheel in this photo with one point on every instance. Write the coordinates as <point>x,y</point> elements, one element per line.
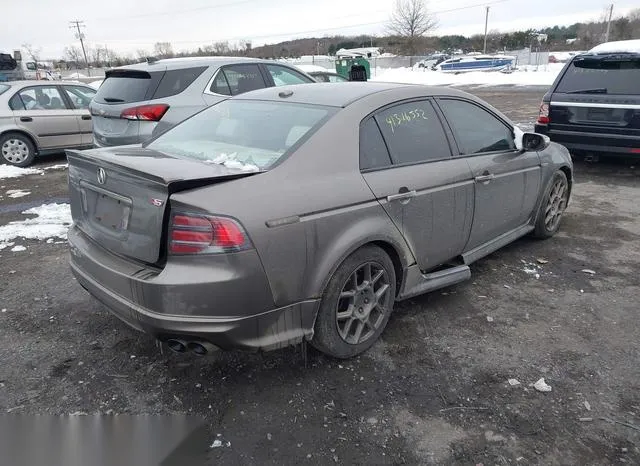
<point>552,207</point>
<point>356,304</point>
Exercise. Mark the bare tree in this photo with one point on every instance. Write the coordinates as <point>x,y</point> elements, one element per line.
<point>221,48</point>
<point>163,49</point>
<point>32,52</point>
<point>73,54</point>
<point>411,20</point>
<point>142,54</point>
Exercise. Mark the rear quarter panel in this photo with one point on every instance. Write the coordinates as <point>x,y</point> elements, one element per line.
<point>334,211</point>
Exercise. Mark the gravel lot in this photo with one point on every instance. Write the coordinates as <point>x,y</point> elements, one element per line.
<point>434,391</point>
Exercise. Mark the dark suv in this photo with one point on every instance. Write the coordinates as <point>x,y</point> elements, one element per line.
<point>593,107</point>
<point>136,102</point>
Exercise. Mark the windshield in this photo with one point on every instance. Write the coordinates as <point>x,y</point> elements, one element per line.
<point>3,88</point>
<point>602,74</point>
<point>245,134</point>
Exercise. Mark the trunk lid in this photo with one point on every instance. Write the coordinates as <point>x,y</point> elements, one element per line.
<point>599,94</point>
<point>119,196</point>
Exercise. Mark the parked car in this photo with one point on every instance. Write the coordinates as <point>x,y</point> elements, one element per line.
<point>327,77</point>
<point>135,102</point>
<point>593,107</point>
<point>304,212</point>
<point>41,117</point>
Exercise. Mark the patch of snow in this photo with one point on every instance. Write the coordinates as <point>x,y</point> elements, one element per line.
<point>542,386</point>
<point>18,249</point>
<point>59,166</point>
<point>9,171</point>
<point>311,68</point>
<point>52,220</point>
<point>16,193</point>
<point>75,76</point>
<point>618,46</point>
<point>5,245</point>
<point>230,161</point>
<point>513,382</point>
<point>529,75</point>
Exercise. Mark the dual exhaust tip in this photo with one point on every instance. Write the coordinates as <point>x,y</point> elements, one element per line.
<point>200,348</point>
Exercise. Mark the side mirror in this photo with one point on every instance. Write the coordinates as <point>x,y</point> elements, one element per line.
<point>534,142</point>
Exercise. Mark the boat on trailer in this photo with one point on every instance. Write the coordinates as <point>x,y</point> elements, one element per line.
<point>477,63</point>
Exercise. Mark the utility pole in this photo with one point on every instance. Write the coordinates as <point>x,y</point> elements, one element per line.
<point>606,36</point>
<point>76,25</point>
<point>486,23</point>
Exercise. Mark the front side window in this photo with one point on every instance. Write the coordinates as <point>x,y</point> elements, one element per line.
<point>244,134</point>
<point>80,96</point>
<point>237,79</point>
<point>38,98</point>
<point>413,133</point>
<point>476,130</point>
<point>283,76</point>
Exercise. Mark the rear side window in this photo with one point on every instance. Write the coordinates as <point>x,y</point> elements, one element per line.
<point>80,96</point>
<point>602,75</point>
<point>413,133</point>
<point>477,131</point>
<point>126,86</point>
<point>175,81</point>
<point>237,79</point>
<point>373,150</point>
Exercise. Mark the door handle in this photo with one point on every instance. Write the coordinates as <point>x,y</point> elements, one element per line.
<point>485,177</point>
<point>86,117</point>
<point>26,119</point>
<point>401,196</point>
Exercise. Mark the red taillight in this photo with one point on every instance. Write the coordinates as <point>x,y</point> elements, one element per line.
<point>543,114</point>
<point>635,151</point>
<point>153,112</point>
<point>194,234</point>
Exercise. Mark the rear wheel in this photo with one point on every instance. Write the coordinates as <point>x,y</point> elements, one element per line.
<point>356,305</point>
<point>17,149</point>
<point>552,206</point>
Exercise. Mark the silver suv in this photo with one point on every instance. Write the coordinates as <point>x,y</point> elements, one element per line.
<point>136,102</point>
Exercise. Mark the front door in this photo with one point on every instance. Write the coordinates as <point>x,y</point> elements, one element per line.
<point>507,181</point>
<point>425,191</point>
<point>43,112</point>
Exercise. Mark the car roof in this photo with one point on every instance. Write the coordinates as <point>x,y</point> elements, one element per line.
<point>340,94</point>
<point>182,62</point>
<point>41,82</point>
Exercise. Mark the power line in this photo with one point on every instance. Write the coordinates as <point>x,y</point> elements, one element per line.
<point>175,12</point>
<point>76,25</point>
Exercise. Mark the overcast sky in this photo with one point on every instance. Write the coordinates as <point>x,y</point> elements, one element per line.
<point>129,25</point>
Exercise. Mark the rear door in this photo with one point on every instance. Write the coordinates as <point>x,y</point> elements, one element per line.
<point>121,90</point>
<point>79,98</point>
<point>44,112</point>
<point>598,98</point>
<point>405,158</point>
<point>507,181</point>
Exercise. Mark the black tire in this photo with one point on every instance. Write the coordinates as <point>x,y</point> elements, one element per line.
<point>333,330</point>
<point>16,149</point>
<point>552,201</point>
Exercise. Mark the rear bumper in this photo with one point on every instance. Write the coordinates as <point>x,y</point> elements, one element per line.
<point>171,305</point>
<point>590,142</point>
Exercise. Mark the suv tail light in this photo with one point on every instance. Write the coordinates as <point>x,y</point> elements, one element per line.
<point>543,114</point>
<point>203,234</point>
<point>145,112</point>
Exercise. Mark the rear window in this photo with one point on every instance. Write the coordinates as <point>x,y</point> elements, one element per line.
<point>3,88</point>
<point>244,134</point>
<point>126,86</point>
<point>606,75</point>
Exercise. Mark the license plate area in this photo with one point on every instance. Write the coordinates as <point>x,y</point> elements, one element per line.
<point>105,210</point>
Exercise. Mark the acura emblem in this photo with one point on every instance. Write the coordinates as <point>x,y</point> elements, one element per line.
<point>102,175</point>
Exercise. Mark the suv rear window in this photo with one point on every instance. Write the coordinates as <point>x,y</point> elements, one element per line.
<point>246,134</point>
<point>602,74</point>
<point>126,86</point>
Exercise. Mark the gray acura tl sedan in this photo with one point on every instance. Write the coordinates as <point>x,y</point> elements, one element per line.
<point>304,212</point>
